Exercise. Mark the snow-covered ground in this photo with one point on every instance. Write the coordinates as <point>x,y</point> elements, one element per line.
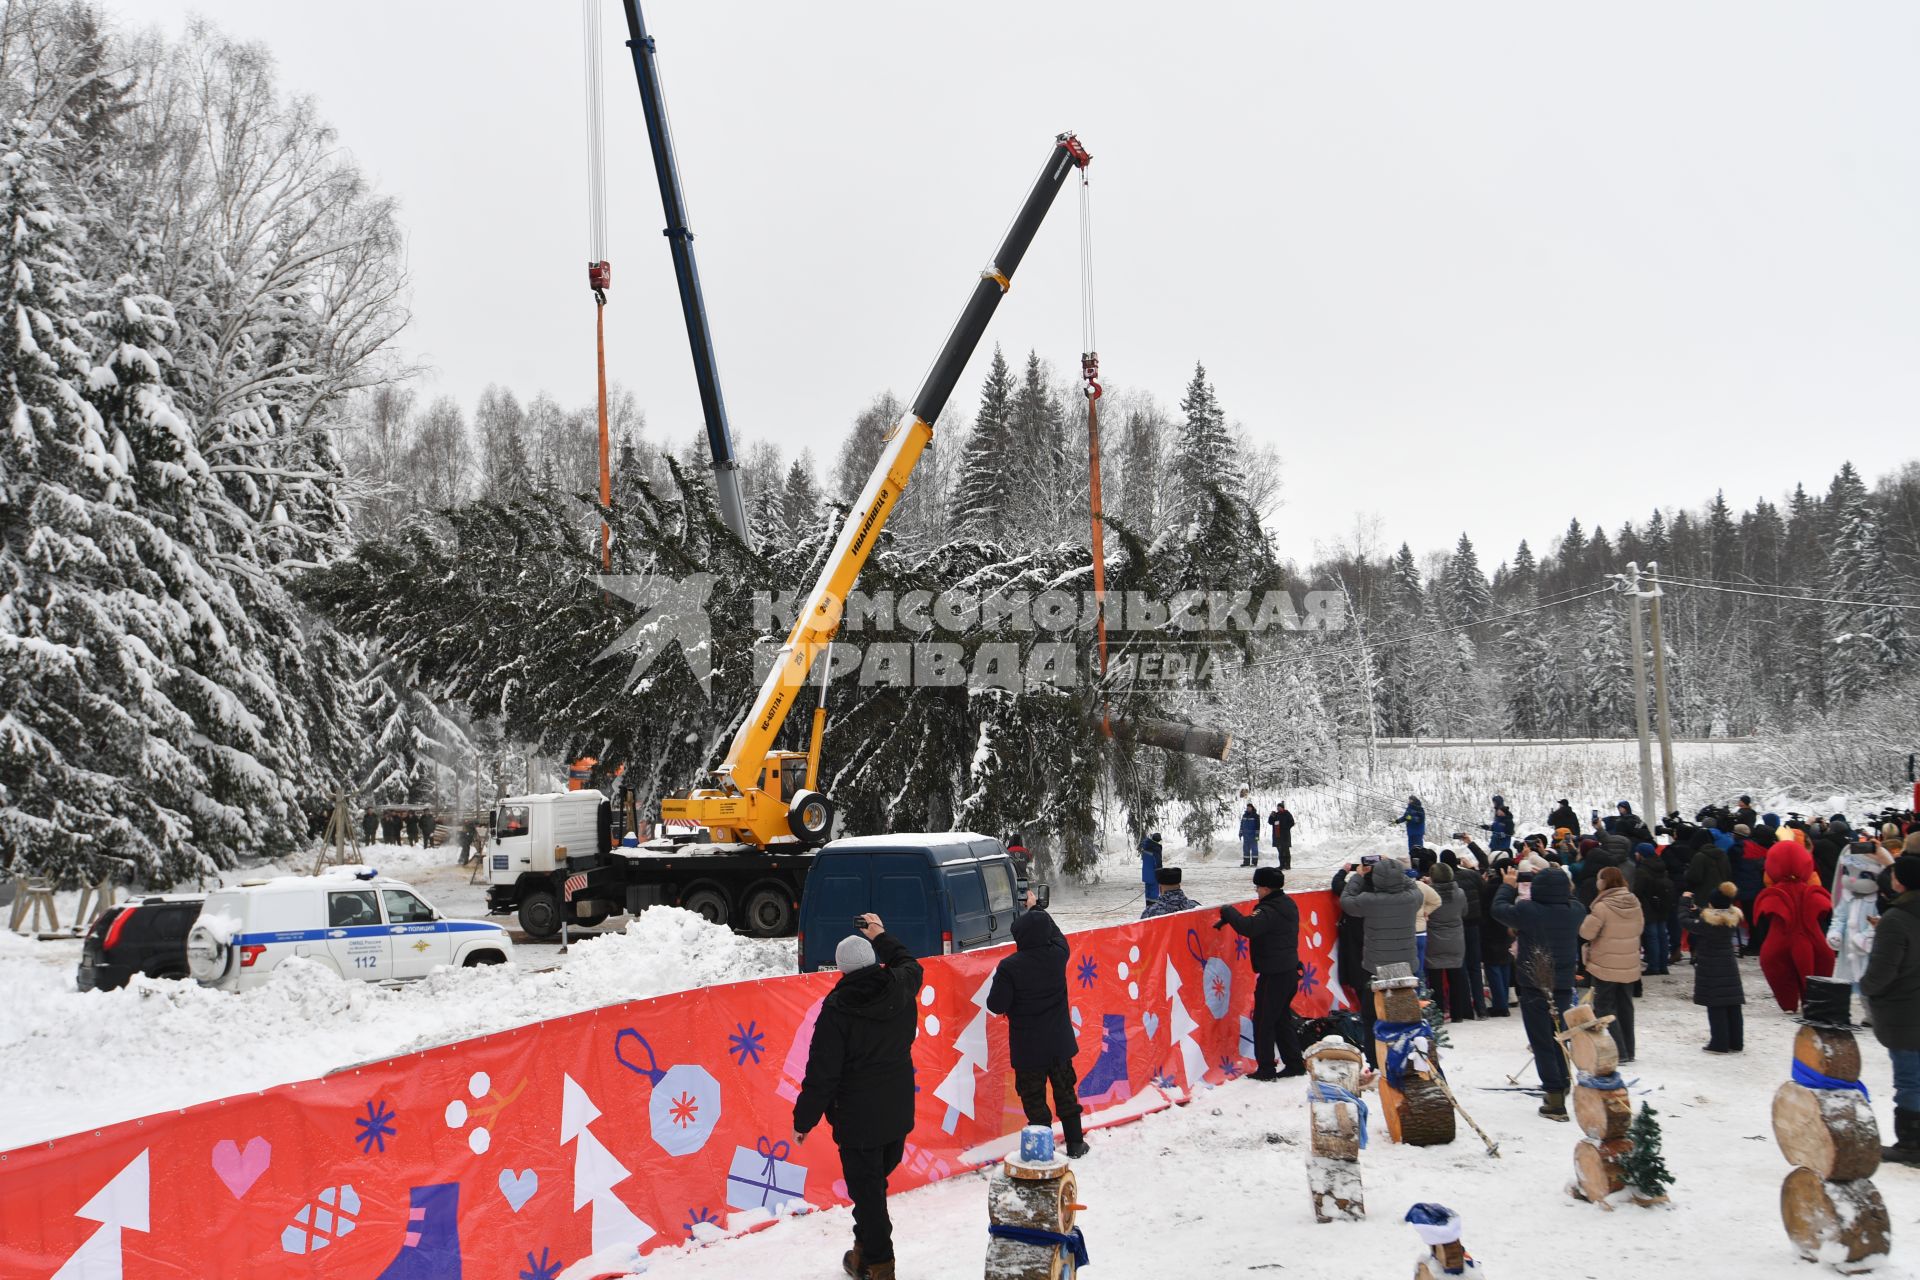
<point>1219,1186</point>
<point>1227,1171</point>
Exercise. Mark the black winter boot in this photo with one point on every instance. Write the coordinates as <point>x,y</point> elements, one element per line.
<point>1906,1139</point>
<point>1074,1138</point>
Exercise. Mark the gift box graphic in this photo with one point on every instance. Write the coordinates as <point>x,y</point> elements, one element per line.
<point>764,1178</point>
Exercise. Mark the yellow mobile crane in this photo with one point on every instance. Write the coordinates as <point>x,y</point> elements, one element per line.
<point>763,797</point>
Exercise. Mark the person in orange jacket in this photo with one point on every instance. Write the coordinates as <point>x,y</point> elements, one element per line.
<point>1791,912</point>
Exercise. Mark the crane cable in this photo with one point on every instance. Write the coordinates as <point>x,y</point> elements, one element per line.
<point>1090,373</point>
<point>599,270</point>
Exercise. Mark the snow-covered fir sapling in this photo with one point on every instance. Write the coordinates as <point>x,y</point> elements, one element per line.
<point>1646,1170</point>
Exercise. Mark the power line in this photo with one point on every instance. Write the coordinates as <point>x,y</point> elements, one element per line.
<point>1552,603</point>
<point>1776,595</point>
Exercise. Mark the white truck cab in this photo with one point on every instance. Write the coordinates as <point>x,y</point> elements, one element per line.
<point>351,919</point>
<point>527,830</point>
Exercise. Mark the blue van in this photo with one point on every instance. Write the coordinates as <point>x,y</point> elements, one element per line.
<point>938,892</point>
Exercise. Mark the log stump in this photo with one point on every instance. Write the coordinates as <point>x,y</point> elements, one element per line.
<point>1603,1114</point>
<point>1592,1048</point>
<point>1596,1169</point>
<point>1397,1004</point>
<point>1418,1113</point>
<point>1844,1223</point>
<point>1035,1196</point>
<point>1832,1053</point>
<point>1831,1132</point>
<point>1336,1188</point>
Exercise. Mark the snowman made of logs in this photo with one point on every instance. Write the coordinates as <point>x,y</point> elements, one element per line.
<point>1030,1213</point>
<point>1826,1129</point>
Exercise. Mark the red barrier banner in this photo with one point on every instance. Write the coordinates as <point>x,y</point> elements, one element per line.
<point>511,1156</point>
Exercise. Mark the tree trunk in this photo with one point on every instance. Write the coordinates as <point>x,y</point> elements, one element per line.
<point>1418,1113</point>
<point>1841,1222</point>
<point>1596,1168</point>
<point>1008,1260</point>
<point>1045,1203</point>
<point>1830,1131</point>
<point>1831,1053</point>
<point>1604,1114</point>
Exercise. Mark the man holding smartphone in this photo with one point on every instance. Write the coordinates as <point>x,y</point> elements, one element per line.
<point>860,1079</point>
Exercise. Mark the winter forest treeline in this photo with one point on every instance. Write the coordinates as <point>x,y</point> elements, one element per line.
<point>245,560</point>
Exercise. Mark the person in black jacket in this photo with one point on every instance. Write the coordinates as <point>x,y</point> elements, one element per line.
<point>1658,902</point>
<point>1563,816</point>
<point>1273,945</point>
<point>1473,884</point>
<point>1548,926</point>
<point>1030,989</point>
<point>1496,943</point>
<point>1280,822</point>
<point>1630,826</point>
<point>860,1078</point>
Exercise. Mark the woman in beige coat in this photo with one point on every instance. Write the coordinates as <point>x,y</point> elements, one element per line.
<point>1612,929</point>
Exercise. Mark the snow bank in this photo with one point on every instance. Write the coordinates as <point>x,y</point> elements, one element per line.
<point>170,1044</point>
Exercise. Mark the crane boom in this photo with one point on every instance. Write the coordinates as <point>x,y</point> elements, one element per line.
<point>693,303</point>
<point>747,804</point>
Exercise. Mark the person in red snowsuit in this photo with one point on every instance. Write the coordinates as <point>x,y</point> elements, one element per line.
<point>1793,910</point>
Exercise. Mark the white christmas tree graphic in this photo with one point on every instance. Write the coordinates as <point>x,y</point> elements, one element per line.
<point>119,1206</point>
<point>1181,1026</point>
<point>596,1173</point>
<point>957,1089</point>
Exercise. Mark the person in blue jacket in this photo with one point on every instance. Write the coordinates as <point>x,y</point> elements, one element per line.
<point>1415,821</point>
<point>1250,836</point>
<point>1500,830</point>
<point>1150,864</point>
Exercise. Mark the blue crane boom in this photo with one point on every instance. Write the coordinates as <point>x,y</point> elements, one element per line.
<point>693,305</point>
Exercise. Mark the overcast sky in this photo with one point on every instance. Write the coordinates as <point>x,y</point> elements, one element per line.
<point>1469,266</point>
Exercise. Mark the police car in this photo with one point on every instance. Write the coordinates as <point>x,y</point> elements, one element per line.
<point>351,919</point>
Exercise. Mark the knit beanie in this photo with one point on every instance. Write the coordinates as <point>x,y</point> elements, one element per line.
<point>1906,871</point>
<point>1723,896</point>
<point>1742,829</point>
<point>853,953</point>
<point>1645,850</point>
<point>1442,874</point>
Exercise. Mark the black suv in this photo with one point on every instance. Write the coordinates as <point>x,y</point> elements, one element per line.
<point>145,935</point>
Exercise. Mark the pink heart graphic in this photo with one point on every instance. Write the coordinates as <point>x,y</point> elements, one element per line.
<point>241,1169</point>
<point>840,1189</point>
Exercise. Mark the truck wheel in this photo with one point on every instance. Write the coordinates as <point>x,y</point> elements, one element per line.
<point>709,903</point>
<point>596,916</point>
<point>810,817</point>
<point>769,913</point>
<point>540,914</point>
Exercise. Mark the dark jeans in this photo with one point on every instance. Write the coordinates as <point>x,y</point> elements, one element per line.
<point>1616,998</point>
<point>1031,1084</point>
<point>1675,936</point>
<point>1476,978</point>
<point>1273,1021</point>
<point>1537,1010</point>
<point>1653,941</point>
<point>1453,982</point>
<point>1285,852</point>
<point>1726,1028</point>
<point>1499,985</point>
<point>865,1170</point>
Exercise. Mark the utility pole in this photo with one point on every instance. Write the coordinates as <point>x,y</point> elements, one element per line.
<point>1664,721</point>
<point>1630,581</point>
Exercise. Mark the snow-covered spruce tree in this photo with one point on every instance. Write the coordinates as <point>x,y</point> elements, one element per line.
<point>1205,457</point>
<point>94,775</point>
<point>982,499</point>
<point>1868,638</point>
<point>800,498</point>
<point>1469,597</point>
<point>411,739</point>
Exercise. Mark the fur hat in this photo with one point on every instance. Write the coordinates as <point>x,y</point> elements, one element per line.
<point>1167,875</point>
<point>853,953</point>
<point>1272,877</point>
